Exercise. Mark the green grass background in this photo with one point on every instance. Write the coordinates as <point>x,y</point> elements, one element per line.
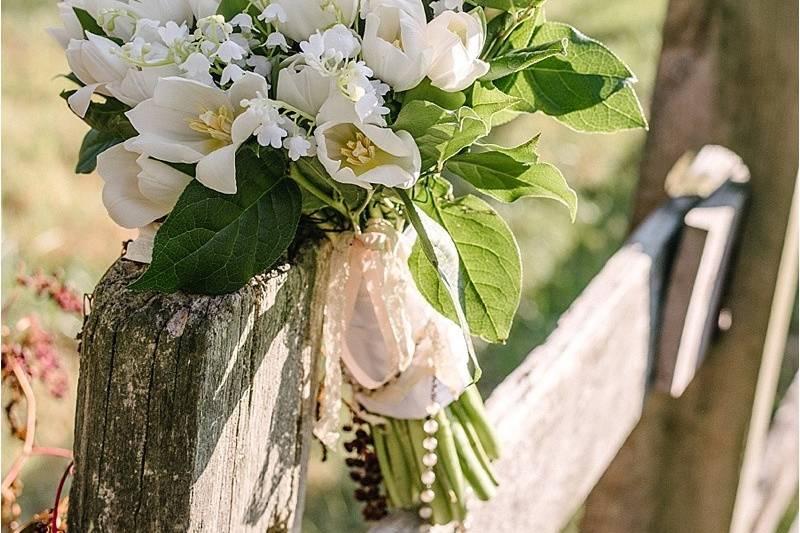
<point>55,219</point>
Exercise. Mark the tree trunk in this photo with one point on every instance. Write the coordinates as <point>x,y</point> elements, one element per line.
<point>728,75</point>
<point>194,412</point>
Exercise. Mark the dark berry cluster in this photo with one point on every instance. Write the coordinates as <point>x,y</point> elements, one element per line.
<point>365,470</point>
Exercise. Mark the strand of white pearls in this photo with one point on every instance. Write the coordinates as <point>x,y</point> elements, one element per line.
<point>429,460</point>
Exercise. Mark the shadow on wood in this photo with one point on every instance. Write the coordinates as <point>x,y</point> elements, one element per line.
<point>194,411</point>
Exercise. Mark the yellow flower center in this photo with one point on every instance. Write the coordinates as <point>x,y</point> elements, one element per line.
<point>359,151</point>
<point>216,124</point>
<point>398,43</point>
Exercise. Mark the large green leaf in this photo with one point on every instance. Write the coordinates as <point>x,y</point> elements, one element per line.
<point>94,143</point>
<point>493,106</point>
<point>589,89</point>
<point>427,92</point>
<point>509,5</point>
<point>501,177</point>
<point>489,270</point>
<point>213,243</point>
<point>438,132</point>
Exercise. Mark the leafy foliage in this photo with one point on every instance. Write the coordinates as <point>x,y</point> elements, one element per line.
<point>107,117</point>
<point>94,143</point>
<point>213,243</point>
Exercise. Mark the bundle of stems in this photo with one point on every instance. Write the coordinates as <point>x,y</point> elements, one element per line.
<point>466,447</point>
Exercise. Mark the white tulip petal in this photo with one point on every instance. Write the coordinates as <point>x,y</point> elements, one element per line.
<point>80,100</point>
<point>248,86</point>
<point>189,96</point>
<point>217,170</point>
<point>159,182</point>
<point>168,150</point>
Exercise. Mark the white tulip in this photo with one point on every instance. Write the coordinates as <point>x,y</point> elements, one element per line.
<point>361,153</point>
<point>303,87</point>
<point>457,40</point>
<point>139,85</point>
<point>138,190</point>
<point>71,29</point>
<point>305,17</point>
<point>394,44</point>
<point>188,122</point>
<point>203,8</point>
<point>96,63</point>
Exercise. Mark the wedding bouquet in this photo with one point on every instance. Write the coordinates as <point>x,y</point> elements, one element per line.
<point>227,130</point>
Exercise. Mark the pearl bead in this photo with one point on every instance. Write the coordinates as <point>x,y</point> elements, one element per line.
<point>428,477</point>
<point>426,496</point>
<point>430,427</point>
<point>429,459</point>
<point>425,512</point>
<point>430,443</point>
<point>433,409</point>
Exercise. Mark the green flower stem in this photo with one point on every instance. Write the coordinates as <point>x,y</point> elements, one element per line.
<point>389,477</point>
<point>472,404</point>
<point>474,441</point>
<point>400,468</point>
<point>470,465</point>
<point>448,456</point>
<point>301,180</point>
<point>407,450</point>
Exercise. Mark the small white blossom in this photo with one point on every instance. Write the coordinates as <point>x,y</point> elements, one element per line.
<point>172,34</point>
<point>232,72</point>
<point>276,38</point>
<point>299,144</point>
<point>329,51</point>
<point>267,124</point>
<point>229,50</point>
<point>440,6</point>
<point>272,13</point>
<point>243,20</point>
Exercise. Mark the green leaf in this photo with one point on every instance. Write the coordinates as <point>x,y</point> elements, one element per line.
<point>214,243</point>
<point>589,89</point>
<point>493,106</point>
<point>427,92</point>
<point>231,8</point>
<point>522,59</point>
<point>108,117</point>
<point>438,132</point>
<point>509,5</point>
<point>94,143</point>
<point>507,180</point>
<point>524,152</point>
<point>88,23</point>
<point>489,271</point>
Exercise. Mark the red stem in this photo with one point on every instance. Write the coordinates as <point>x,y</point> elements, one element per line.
<point>54,519</point>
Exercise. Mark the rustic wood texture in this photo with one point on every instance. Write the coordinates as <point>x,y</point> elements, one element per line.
<point>728,74</point>
<point>194,412</point>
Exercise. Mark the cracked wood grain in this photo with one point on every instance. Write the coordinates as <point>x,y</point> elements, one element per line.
<point>194,412</point>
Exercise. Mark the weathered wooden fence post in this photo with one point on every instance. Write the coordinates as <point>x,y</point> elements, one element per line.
<point>193,412</point>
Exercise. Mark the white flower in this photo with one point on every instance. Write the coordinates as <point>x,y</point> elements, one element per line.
<point>303,87</point>
<point>305,17</point>
<point>229,50</point>
<point>276,38</point>
<point>176,11</point>
<point>243,20</point>
<point>440,6</point>
<point>363,154</point>
<point>232,72</point>
<point>273,13</point>
<point>138,190</point>
<point>394,45</point>
<point>263,119</point>
<point>71,26</point>
<point>196,67</point>
<point>330,51</point>
<point>203,8</point>
<point>457,40</point>
<point>139,85</point>
<point>96,63</point>
<point>188,122</point>
<point>299,144</point>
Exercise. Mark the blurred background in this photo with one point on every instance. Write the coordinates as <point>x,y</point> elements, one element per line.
<point>55,220</point>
